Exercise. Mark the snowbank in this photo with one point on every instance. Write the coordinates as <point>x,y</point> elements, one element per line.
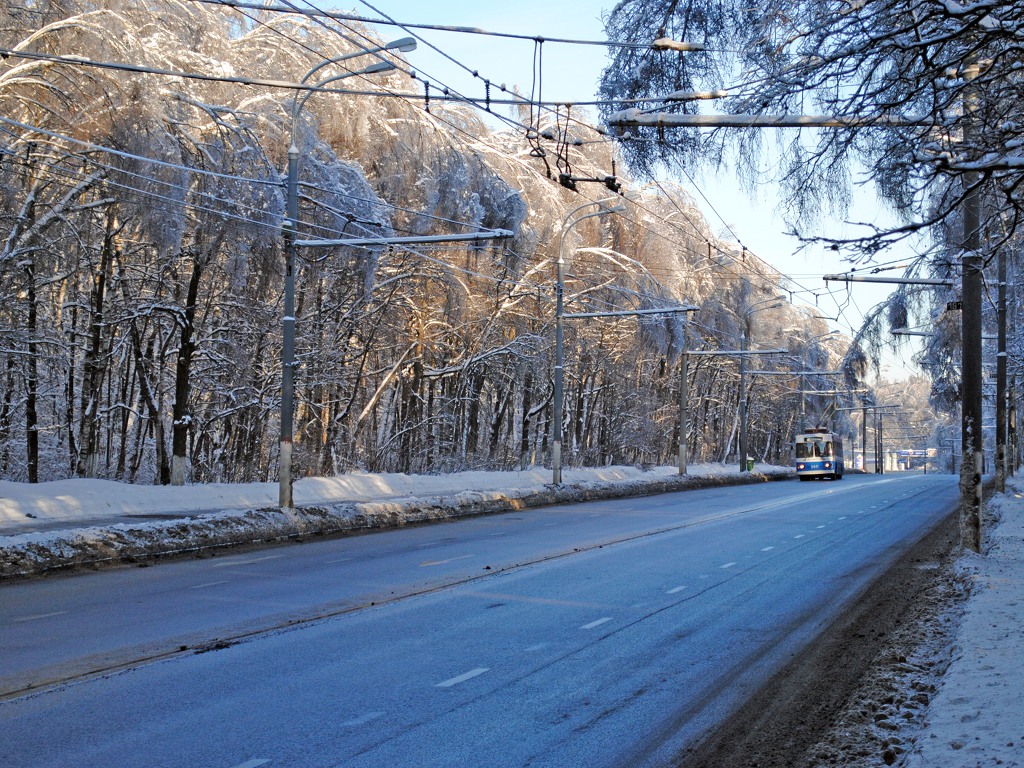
<point>92,513</point>
<point>977,716</point>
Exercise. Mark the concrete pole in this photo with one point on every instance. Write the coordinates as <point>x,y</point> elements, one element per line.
<point>864,430</point>
<point>556,443</point>
<point>970,319</point>
<point>684,393</point>
<point>1001,375</point>
<point>288,333</point>
<point>743,400</point>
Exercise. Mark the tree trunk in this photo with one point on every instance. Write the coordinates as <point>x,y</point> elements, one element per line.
<point>32,382</point>
<point>94,365</point>
<point>181,415</point>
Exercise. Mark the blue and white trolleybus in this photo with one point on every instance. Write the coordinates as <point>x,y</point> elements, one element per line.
<point>819,453</point>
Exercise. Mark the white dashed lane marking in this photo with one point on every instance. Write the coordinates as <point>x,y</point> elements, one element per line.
<point>361,720</point>
<point>727,565</point>
<point>767,549</point>
<point>597,623</point>
<point>463,677</point>
<point>249,561</point>
<point>674,590</point>
<point>429,563</point>
<point>38,616</point>
<point>208,584</point>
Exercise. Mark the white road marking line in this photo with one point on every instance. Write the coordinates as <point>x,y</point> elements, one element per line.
<point>674,590</point>
<point>767,549</point>
<point>821,526</point>
<point>727,565</point>
<point>250,561</point>
<point>252,763</point>
<point>38,616</point>
<point>361,720</point>
<point>537,647</point>
<point>843,517</point>
<point>499,533</point>
<point>429,563</point>
<point>339,560</point>
<point>799,536</point>
<point>597,623</point>
<point>208,584</point>
<point>463,678</point>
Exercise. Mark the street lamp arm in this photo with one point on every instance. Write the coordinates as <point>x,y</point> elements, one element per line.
<point>404,44</point>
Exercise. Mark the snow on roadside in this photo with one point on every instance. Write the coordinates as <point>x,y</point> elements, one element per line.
<point>226,515</point>
<point>977,716</point>
<point>947,689</point>
<point>73,501</point>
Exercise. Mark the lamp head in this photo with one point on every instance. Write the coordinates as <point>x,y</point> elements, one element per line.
<point>380,66</point>
<point>404,44</point>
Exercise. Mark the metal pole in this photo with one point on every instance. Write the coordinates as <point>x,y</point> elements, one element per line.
<point>288,333</point>
<point>1001,375</point>
<point>556,443</point>
<point>683,396</point>
<point>803,403</point>
<point>290,232</point>
<point>881,443</point>
<point>864,429</point>
<point>743,398</point>
<point>970,318</point>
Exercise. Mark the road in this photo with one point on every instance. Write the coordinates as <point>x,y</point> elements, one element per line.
<point>609,633</point>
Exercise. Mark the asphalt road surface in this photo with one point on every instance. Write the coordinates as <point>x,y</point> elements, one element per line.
<point>603,634</point>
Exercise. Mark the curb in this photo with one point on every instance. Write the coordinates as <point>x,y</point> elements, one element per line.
<point>26,555</point>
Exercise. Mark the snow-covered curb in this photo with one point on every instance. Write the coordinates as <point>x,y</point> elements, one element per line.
<point>36,553</point>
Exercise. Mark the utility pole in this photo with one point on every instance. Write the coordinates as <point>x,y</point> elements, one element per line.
<point>970,319</point>
<point>864,428</point>
<point>743,400</point>
<point>1001,374</point>
<point>684,394</point>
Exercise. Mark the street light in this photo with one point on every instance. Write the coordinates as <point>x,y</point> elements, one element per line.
<point>290,231</point>
<point>744,332</point>
<point>556,442</point>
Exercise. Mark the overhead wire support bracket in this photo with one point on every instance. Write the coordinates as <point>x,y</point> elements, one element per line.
<point>895,280</point>
<point>496,234</point>
<point>631,312</point>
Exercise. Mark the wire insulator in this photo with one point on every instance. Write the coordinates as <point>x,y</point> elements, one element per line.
<point>426,96</point>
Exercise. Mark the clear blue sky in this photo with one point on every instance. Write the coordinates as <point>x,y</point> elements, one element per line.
<point>570,73</point>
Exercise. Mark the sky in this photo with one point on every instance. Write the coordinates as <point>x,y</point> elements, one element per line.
<point>571,74</point>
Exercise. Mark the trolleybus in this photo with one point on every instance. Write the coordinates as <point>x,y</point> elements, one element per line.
<point>819,453</point>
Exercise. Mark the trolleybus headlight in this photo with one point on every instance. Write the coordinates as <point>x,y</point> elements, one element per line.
<point>800,466</point>
<point>828,465</point>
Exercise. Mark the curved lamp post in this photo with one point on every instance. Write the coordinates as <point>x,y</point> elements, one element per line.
<point>290,225</point>
<point>556,442</point>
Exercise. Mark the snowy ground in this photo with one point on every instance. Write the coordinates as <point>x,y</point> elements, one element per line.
<point>950,694</point>
<point>91,522</point>
<point>947,690</point>
<point>78,502</point>
<point>977,716</point>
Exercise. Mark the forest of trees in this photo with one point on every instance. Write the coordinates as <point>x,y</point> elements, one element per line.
<point>930,94</point>
<point>141,270</point>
